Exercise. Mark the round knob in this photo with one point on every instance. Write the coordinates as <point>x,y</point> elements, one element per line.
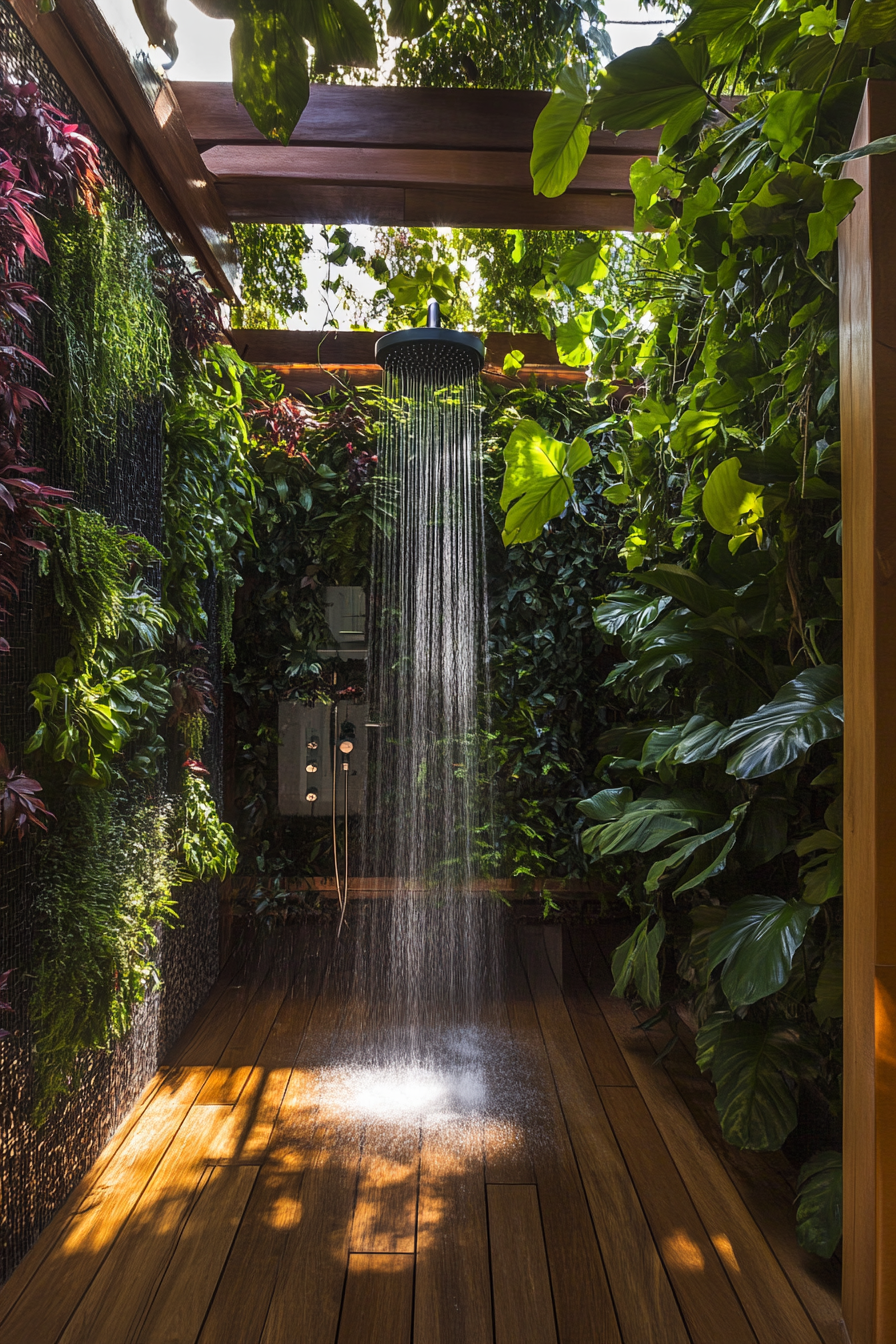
<point>311,768</point>
<point>312,744</point>
<point>346,747</point>
<point>311,796</point>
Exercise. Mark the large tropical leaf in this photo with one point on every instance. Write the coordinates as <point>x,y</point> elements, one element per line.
<point>701,740</point>
<point>538,479</point>
<point>560,138</point>
<point>270,68</point>
<point>710,860</point>
<point>413,18</point>
<point>871,22</point>
<point>339,31</point>
<point>659,85</point>
<point>732,505</point>
<point>636,960</point>
<point>819,1213</point>
<point>644,823</point>
<point>807,710</point>
<point>748,1061</point>
<point>626,613</point>
<point>689,588</point>
<point>757,941</point>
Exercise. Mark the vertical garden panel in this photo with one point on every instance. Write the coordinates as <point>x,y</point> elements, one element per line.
<point>40,1166</point>
<point>868,339</point>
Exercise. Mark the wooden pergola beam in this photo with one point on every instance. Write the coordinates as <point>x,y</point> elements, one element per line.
<point>149,138</point>
<point>391,118</point>
<point>455,157</point>
<point>312,361</point>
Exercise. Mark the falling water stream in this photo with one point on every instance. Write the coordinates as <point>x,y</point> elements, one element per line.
<point>426,996</point>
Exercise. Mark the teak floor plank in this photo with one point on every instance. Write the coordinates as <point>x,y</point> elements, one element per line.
<point>103,1205</point>
<point>240,1306</point>
<point>643,1297</point>
<point>231,971</point>
<point>385,1218</point>
<point>229,1076</point>
<point>708,1302</point>
<point>206,1042</point>
<point>308,1289</point>
<point>602,1054</point>
<point>452,1299</point>
<point>521,1284</point>
<point>508,1159</point>
<point>178,1308</point>
<point>120,1292</point>
<point>771,1305</point>
<point>379,1300</point>
<point>582,1300</point>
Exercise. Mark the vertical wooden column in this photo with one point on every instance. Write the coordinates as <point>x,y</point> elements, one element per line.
<point>868,368</point>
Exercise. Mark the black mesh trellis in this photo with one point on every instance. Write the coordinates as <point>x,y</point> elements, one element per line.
<point>39,1168</point>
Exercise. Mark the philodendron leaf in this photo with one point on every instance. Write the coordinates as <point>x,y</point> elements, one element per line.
<point>538,479</point>
<point>659,85</point>
<point>608,805</point>
<point>757,941</point>
<point>560,138</point>
<point>838,199</point>
<point>731,505</point>
<point>270,68</point>
<point>789,119</point>
<point>871,22</point>
<point>689,588</point>
<point>339,30</point>
<point>708,863</point>
<point>748,1061</point>
<point>626,613</point>
<point>635,960</point>
<point>884,144</point>
<point>807,710</point>
<point>571,339</point>
<point>819,1214</point>
<point>413,18</point>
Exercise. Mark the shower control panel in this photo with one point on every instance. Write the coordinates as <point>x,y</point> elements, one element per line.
<point>310,737</point>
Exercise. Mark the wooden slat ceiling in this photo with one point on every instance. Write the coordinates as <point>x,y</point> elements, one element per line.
<point>312,361</point>
<point>404,157</point>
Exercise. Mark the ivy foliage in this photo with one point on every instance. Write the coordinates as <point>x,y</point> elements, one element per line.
<point>719,787</point>
<point>105,339</point>
<point>105,878</point>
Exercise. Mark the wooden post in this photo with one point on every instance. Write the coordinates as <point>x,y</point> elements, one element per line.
<point>868,367</point>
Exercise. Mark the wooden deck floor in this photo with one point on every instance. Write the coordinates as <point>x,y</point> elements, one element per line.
<point>234,1207</point>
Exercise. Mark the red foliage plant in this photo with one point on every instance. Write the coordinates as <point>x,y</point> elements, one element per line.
<point>20,808</point>
<point>192,310</point>
<point>58,160</point>
<point>21,493</point>
<point>285,423</point>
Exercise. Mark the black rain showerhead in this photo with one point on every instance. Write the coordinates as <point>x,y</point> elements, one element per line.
<point>434,351</point>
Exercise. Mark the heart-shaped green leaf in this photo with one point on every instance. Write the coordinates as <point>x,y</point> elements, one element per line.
<point>538,479</point>
<point>757,941</point>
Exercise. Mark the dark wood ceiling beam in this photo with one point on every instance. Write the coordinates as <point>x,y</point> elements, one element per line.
<point>151,142</point>
<point>493,169</point>
<point>313,361</point>
<point>272,200</point>
<point>397,118</point>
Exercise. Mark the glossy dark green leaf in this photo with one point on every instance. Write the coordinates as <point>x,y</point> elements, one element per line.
<point>270,68</point>
<point>413,18</point>
<point>627,612</point>
<point>819,1213</point>
<point>561,135</point>
<point>635,961</point>
<point>748,1061</point>
<point>339,30</point>
<point>689,588</point>
<point>659,85</point>
<point>807,710</point>
<point>757,941</point>
<point>871,22</point>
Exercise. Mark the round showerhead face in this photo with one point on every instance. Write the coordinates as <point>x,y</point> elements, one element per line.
<point>433,352</point>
